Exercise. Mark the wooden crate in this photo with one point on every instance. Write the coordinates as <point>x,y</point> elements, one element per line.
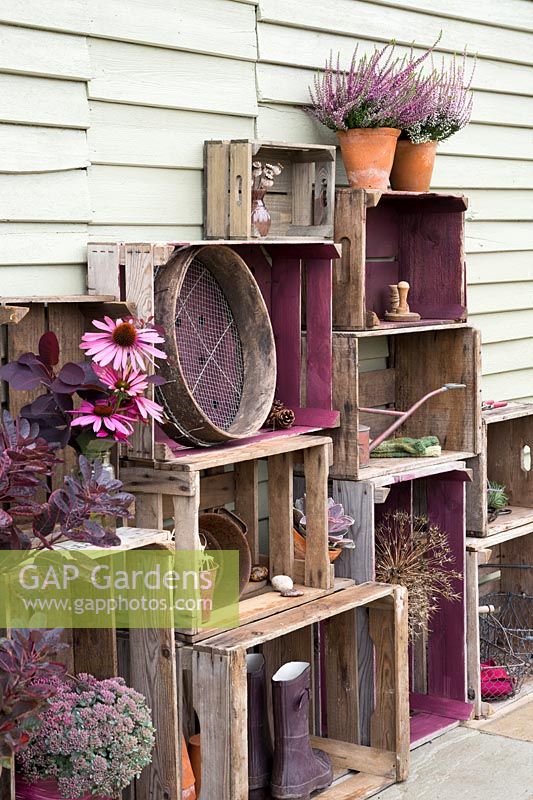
<point>180,476</point>
<point>300,202</point>
<point>152,668</point>
<point>393,236</point>
<point>418,361</point>
<point>437,663</point>
<point>279,270</point>
<point>488,570</point>
<point>504,435</point>
<point>219,691</point>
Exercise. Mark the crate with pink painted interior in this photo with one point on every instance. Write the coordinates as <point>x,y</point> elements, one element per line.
<point>388,237</point>
<point>280,269</point>
<point>439,699</point>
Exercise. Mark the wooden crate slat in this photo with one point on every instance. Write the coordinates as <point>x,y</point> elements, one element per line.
<point>323,607</point>
<point>280,505</point>
<point>193,459</point>
<point>286,322</point>
<point>316,465</point>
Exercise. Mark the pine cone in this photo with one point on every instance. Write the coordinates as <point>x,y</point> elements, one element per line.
<point>280,416</point>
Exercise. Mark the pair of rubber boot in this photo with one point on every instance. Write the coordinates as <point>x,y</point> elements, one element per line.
<point>292,770</point>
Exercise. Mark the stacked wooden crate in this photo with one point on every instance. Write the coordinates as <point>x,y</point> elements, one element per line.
<point>169,480</point>
<point>388,237</point>
<point>499,552</point>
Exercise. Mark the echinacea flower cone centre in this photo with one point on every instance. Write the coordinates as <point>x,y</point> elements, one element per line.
<point>125,334</point>
<point>103,410</point>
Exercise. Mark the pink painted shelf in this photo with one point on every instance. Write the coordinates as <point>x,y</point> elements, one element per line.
<point>393,236</point>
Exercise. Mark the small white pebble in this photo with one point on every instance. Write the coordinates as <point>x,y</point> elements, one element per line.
<point>282,583</point>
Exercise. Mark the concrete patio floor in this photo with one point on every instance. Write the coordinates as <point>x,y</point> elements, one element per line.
<point>468,764</point>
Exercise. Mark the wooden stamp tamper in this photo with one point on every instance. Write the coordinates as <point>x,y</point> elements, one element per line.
<point>399,311</point>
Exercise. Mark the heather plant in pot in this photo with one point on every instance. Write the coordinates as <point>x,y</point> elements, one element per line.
<point>95,737</point>
<point>446,110</point>
<point>368,105</point>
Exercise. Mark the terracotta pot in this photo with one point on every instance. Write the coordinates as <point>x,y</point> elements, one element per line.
<point>188,790</point>
<point>300,546</point>
<point>195,754</point>
<point>44,790</point>
<point>368,154</point>
<point>413,166</point>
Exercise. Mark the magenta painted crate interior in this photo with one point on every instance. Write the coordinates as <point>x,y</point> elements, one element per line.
<point>442,499</point>
<point>279,270</point>
<point>418,239</point>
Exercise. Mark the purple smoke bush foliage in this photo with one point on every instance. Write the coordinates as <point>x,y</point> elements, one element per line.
<point>26,460</point>
<point>27,673</point>
<point>383,91</point>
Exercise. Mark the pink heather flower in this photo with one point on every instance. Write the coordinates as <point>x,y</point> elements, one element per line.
<point>146,407</point>
<point>104,420</point>
<point>123,342</point>
<point>132,382</point>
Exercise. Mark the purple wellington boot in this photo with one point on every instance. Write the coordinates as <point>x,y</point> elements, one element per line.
<point>298,769</point>
<point>259,741</point>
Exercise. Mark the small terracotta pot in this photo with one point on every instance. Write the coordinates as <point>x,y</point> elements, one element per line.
<point>188,790</point>
<point>195,754</point>
<point>300,546</point>
<point>44,790</point>
<point>413,166</point>
<point>368,154</point>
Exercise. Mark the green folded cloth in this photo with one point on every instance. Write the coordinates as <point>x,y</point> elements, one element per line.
<point>425,447</point>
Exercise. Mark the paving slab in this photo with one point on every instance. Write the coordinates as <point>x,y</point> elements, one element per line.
<point>467,764</point>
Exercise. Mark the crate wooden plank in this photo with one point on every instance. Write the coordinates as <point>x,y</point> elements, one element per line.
<point>499,536</point>
<point>196,459</point>
<point>280,505</point>
<point>286,322</point>
<point>24,338</point>
<point>268,603</point>
<point>510,411</point>
<point>155,673</point>
<point>358,498</point>
<point>216,158</point>
<point>357,787</point>
<point>349,270</point>
<point>12,315</point>
<point>356,757</point>
<point>318,340</point>
<point>247,503</point>
<point>341,676</point>
<point>316,464</point>
<point>240,196</point>
<point>220,695</point>
<point>323,607</point>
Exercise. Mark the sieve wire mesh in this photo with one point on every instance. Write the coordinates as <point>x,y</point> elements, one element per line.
<point>209,346</point>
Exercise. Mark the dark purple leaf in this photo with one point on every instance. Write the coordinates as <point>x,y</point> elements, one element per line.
<point>49,349</point>
<point>156,380</point>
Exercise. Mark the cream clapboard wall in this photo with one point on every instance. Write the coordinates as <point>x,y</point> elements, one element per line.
<point>104,106</point>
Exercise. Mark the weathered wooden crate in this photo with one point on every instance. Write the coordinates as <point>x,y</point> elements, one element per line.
<point>500,562</point>
<point>219,693</point>
<point>152,668</point>
<point>180,475</point>
<point>418,361</point>
<point>279,270</point>
<point>506,458</point>
<point>437,663</point>
<point>300,203</point>
<point>392,236</point>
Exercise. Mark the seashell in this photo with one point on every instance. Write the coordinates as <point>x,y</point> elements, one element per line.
<point>292,593</point>
<point>259,573</point>
<point>282,583</point>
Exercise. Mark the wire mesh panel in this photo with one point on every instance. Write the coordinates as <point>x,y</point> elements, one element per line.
<point>209,345</point>
<point>506,644</point>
